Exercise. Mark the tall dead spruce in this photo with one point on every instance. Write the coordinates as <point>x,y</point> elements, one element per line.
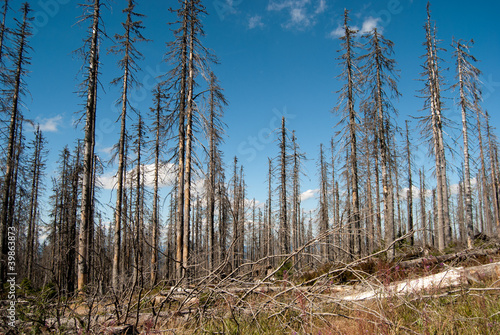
<point>128,64</point>
<point>189,58</point>
<point>467,83</point>
<point>350,75</point>
<point>434,122</point>
<point>37,168</point>
<point>215,131</point>
<point>15,90</point>
<point>159,130</point>
<point>90,53</point>
<point>380,78</point>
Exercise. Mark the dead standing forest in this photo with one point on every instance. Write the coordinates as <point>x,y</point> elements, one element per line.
<point>218,238</point>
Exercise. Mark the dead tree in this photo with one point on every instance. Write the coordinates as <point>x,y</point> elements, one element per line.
<point>268,249</point>
<point>368,208</point>
<point>215,131</point>
<point>223,215</point>
<point>347,108</point>
<point>380,78</point>
<point>296,227</point>
<point>177,81</point>
<point>467,83</point>
<point>37,168</point>
<point>92,11</point>
<point>15,90</point>
<point>434,123</point>
<point>158,127</point>
<point>485,197</point>
<point>323,208</point>
<point>494,174</point>
<point>128,64</point>
<point>284,229</point>
<point>423,210</point>
<point>139,240</point>
<point>409,197</point>
<point>189,58</point>
<point>3,30</point>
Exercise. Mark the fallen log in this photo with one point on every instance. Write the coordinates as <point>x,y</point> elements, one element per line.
<point>459,256</point>
<point>450,278</point>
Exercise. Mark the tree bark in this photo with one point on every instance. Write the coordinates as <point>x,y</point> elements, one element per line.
<point>88,159</point>
<point>8,181</point>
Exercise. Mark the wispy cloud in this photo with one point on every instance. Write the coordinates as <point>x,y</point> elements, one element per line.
<point>166,174</point>
<point>230,7</point>
<point>321,7</point>
<point>255,22</point>
<point>338,32</point>
<point>107,150</point>
<point>49,124</point>
<point>369,24</point>
<point>308,194</point>
<point>302,13</point>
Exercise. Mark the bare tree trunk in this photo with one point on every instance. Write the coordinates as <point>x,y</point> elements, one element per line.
<point>222,218</point>
<point>468,82</point>
<point>494,178</point>
<point>138,238</point>
<point>423,220</point>
<point>269,221</point>
<point>9,184</point>
<point>295,196</point>
<point>432,72</point>
<point>484,208</point>
<point>236,219</point>
<point>155,231</point>
<point>461,218</point>
<point>410,187</point>
<point>3,29</point>
<point>348,57</point>
<point>88,159</point>
<point>323,207</point>
<point>189,143</point>
<point>369,205</point>
<point>284,232</point>
<point>241,217</point>
<point>335,214</point>
<point>215,131</point>
<point>127,63</point>
<point>179,256</point>
<point>36,168</point>
<point>211,187</point>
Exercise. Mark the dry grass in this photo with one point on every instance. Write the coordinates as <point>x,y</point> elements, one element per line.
<point>296,303</point>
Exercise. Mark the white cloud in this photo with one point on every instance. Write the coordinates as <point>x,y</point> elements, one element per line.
<point>255,22</point>
<point>107,150</point>
<point>308,194</point>
<point>453,190</point>
<point>230,8</point>
<point>321,7</point>
<point>369,24</point>
<point>49,124</point>
<point>299,17</point>
<point>339,32</point>
<point>166,175</point>
<point>302,13</point>
<point>108,181</point>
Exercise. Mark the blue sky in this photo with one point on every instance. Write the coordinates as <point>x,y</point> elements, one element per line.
<point>277,57</point>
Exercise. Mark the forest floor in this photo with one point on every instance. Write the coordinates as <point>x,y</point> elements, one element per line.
<point>420,292</point>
